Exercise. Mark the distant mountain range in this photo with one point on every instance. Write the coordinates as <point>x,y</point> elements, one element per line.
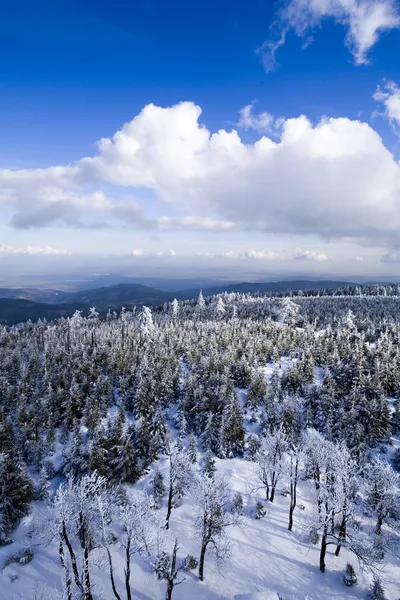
<point>17,305</point>
<point>16,310</point>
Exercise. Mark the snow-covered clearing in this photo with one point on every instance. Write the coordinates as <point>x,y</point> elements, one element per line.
<point>265,555</point>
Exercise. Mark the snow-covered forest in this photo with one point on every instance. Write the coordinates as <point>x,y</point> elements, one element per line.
<point>235,447</point>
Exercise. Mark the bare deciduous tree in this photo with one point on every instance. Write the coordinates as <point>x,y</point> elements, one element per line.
<point>213,516</point>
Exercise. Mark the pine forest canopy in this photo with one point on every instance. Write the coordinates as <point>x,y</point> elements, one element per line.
<point>299,386</point>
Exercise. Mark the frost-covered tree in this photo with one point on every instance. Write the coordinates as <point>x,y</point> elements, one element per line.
<point>178,478</point>
<point>293,466</point>
<point>140,533</point>
<point>16,492</point>
<point>213,516</point>
<point>347,483</point>
<point>146,324</point>
<point>219,308</point>
<point>175,308</point>
<point>335,479</point>
<point>44,485</point>
<point>200,303</point>
<point>78,523</point>
<point>157,488</point>
<point>289,312</point>
<point>382,486</point>
<point>232,431</point>
<point>258,390</point>
<point>271,461</point>
<point>350,577</point>
<point>125,464</point>
<point>192,450</point>
<point>168,569</point>
<point>209,467</point>
<point>377,592</point>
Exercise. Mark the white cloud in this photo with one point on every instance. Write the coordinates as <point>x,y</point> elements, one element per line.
<point>140,252</point>
<point>388,93</point>
<point>206,254</point>
<point>334,179</point>
<point>33,250</point>
<point>359,259</point>
<point>301,254</point>
<point>261,255</point>
<point>262,122</point>
<point>364,20</point>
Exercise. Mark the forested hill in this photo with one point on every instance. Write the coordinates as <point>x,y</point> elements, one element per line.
<point>18,305</point>
<point>16,310</point>
<point>264,287</point>
<point>14,307</point>
<point>251,440</point>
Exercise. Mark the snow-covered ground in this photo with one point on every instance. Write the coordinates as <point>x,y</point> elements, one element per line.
<point>266,558</point>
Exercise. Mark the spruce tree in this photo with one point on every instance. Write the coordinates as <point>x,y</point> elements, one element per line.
<point>44,485</point>
<point>209,467</point>
<point>192,450</point>
<point>125,465</point>
<point>377,592</point>
<point>157,488</point>
<point>16,492</point>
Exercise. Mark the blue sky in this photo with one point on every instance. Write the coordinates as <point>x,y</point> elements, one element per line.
<point>74,72</point>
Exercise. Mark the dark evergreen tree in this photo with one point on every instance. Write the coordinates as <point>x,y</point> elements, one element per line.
<point>209,467</point>
<point>16,492</point>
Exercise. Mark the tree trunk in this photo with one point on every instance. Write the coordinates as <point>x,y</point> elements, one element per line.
<point>173,573</point>
<point>114,589</point>
<point>169,509</point>
<point>170,587</point>
<point>379,523</point>
<point>68,581</point>
<point>323,549</point>
<point>88,590</point>
<point>87,594</point>
<point>272,496</point>
<point>291,511</point>
<point>293,494</point>
<point>342,535</point>
<point>72,556</point>
<point>201,561</point>
<point>128,570</point>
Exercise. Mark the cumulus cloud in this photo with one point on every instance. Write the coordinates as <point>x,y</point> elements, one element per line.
<point>364,20</point>
<point>33,250</point>
<point>301,254</point>
<point>359,259</point>
<point>334,179</point>
<point>388,94</point>
<point>137,252</point>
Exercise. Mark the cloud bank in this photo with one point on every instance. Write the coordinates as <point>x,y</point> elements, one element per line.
<point>33,251</point>
<point>334,179</point>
